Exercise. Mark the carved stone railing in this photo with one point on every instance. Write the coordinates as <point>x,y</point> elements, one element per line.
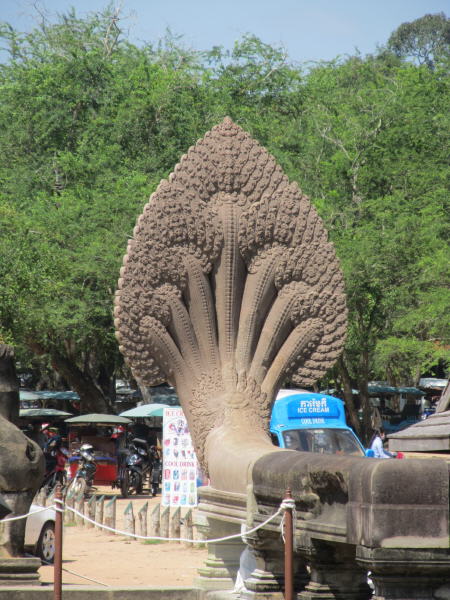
<point>353,515</point>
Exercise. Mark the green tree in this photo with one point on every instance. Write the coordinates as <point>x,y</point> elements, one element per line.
<point>90,124</point>
<point>426,40</point>
<point>375,165</point>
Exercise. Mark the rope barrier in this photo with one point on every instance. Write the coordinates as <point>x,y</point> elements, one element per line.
<point>287,503</point>
<point>163,539</point>
<point>84,577</point>
<point>76,574</point>
<point>32,512</point>
<point>60,507</point>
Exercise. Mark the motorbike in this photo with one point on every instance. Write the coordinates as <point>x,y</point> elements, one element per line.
<point>137,464</point>
<point>84,477</point>
<point>55,461</point>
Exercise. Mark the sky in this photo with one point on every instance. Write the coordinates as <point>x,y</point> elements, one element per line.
<point>309,30</point>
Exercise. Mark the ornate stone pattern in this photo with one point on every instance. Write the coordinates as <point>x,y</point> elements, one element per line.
<point>229,285</point>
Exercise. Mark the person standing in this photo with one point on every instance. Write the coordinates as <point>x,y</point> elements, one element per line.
<point>35,433</point>
<point>378,447</point>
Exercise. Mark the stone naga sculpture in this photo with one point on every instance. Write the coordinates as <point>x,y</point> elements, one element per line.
<point>228,287</point>
<point>21,465</point>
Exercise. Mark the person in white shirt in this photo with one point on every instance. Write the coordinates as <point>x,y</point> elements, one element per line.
<point>377,445</point>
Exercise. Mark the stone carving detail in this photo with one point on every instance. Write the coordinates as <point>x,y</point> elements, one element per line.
<point>229,285</point>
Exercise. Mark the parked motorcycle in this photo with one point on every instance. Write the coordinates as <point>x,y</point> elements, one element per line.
<point>156,470</point>
<point>138,463</point>
<point>84,477</point>
<point>55,461</point>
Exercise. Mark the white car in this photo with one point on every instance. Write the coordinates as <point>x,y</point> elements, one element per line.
<point>40,533</point>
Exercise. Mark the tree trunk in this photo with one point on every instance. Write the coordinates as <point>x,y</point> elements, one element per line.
<point>348,396</point>
<point>91,397</point>
<point>365,399</point>
<point>106,382</point>
<point>9,385</point>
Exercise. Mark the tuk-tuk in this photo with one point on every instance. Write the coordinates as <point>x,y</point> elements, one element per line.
<point>97,430</point>
<point>311,422</point>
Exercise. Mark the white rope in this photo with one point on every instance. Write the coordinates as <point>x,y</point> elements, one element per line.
<point>76,574</point>
<point>59,508</point>
<point>285,504</point>
<point>143,537</point>
<point>288,503</point>
<point>33,512</point>
<point>84,577</point>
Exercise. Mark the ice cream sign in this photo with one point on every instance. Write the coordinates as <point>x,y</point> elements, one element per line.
<point>179,485</point>
<point>322,407</point>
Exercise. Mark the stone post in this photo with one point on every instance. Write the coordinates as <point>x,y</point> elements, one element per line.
<point>164,523</point>
<point>110,515</point>
<point>91,511</point>
<point>79,506</point>
<point>99,508</point>
<point>186,531</point>
<point>40,498</point>
<point>142,520</point>
<point>69,516</point>
<point>155,529</point>
<point>129,521</point>
<point>50,498</point>
<point>174,523</point>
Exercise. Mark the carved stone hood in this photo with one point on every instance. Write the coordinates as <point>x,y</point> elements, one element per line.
<point>229,286</point>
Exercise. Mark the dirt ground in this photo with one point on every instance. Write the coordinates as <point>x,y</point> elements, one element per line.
<point>115,560</point>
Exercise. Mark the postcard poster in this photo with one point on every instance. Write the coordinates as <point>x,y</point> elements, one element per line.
<point>179,482</point>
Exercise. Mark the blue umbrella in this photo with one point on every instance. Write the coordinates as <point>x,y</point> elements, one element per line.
<point>43,413</point>
<point>145,411</point>
<point>28,395</point>
<point>58,395</point>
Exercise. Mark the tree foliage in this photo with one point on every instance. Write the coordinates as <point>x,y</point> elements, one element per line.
<point>90,123</point>
<point>426,40</point>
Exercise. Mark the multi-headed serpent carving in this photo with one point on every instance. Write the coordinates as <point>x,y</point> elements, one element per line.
<point>229,286</point>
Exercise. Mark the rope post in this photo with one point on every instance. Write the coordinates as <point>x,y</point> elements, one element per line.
<point>57,570</point>
<point>288,550</point>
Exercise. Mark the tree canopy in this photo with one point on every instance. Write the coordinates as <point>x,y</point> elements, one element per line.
<point>426,40</point>
<point>90,123</point>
